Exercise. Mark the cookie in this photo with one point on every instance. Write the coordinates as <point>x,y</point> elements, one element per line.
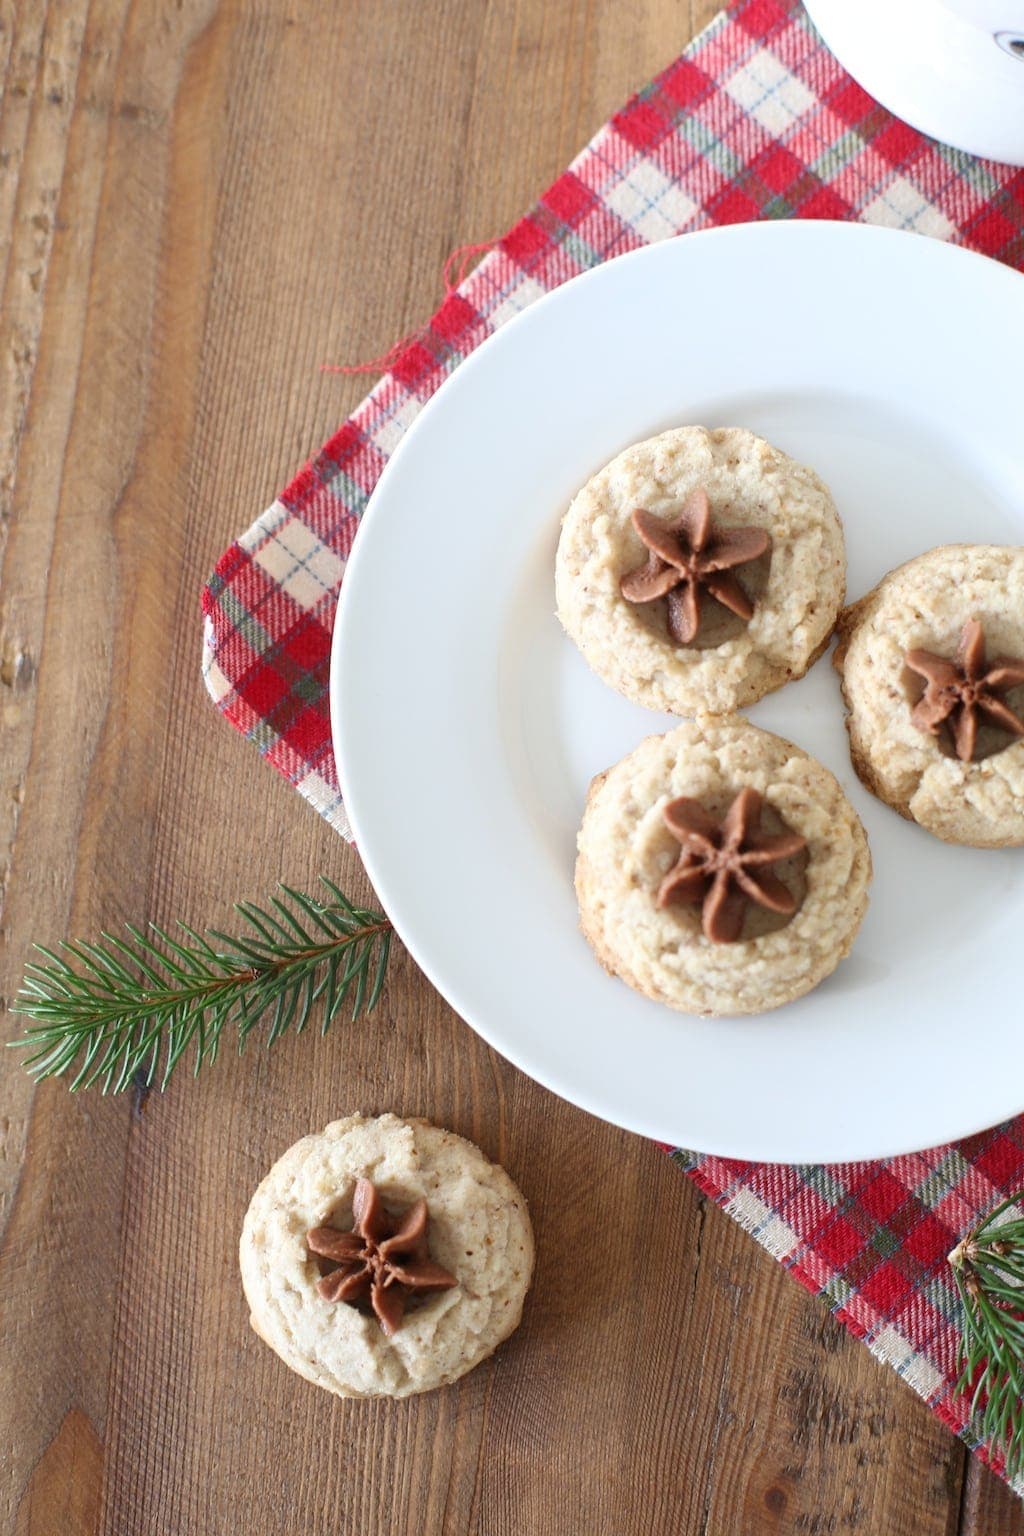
<point>700,570</point>
<point>721,870</point>
<point>931,670</point>
<point>428,1284</point>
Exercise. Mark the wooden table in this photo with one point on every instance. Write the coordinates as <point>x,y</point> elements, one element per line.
<point>200,203</point>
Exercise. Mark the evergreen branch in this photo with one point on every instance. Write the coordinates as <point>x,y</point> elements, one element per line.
<point>128,1009</point>
<point>988,1266</point>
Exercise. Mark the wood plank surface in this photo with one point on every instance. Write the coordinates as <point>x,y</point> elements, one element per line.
<point>200,202</point>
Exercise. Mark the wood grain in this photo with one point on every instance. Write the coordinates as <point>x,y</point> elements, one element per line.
<point>201,202</point>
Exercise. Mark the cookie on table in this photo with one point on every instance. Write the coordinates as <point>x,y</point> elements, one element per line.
<point>932,668</point>
<point>721,870</point>
<point>385,1257</point>
<point>699,570</point>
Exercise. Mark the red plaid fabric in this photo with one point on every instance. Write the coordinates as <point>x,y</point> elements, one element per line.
<point>755,121</point>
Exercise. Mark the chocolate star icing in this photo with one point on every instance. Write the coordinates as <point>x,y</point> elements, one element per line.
<point>688,554</point>
<point>723,865</point>
<point>384,1258</point>
<point>957,691</point>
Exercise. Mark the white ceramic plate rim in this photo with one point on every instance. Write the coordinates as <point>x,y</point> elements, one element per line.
<point>403,891</point>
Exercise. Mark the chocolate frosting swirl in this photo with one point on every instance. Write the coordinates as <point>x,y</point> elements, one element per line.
<point>723,865</point>
<point>688,556</point>
<point>384,1258</point>
<point>960,689</point>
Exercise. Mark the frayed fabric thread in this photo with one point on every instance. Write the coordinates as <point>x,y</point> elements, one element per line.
<point>455,271</point>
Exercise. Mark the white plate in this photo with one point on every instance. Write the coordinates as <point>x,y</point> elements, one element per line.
<point>467,727</point>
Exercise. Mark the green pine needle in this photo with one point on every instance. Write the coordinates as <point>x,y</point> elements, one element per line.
<point>988,1265</point>
<point>125,1011</point>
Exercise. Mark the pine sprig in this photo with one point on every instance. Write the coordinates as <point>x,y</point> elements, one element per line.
<point>988,1265</point>
<point>126,1010</point>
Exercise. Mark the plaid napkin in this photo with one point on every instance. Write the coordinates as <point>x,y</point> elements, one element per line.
<point>756,120</point>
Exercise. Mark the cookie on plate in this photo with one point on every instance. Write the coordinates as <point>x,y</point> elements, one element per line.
<point>721,870</point>
<point>384,1257</point>
<point>699,570</point>
<point>932,668</point>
